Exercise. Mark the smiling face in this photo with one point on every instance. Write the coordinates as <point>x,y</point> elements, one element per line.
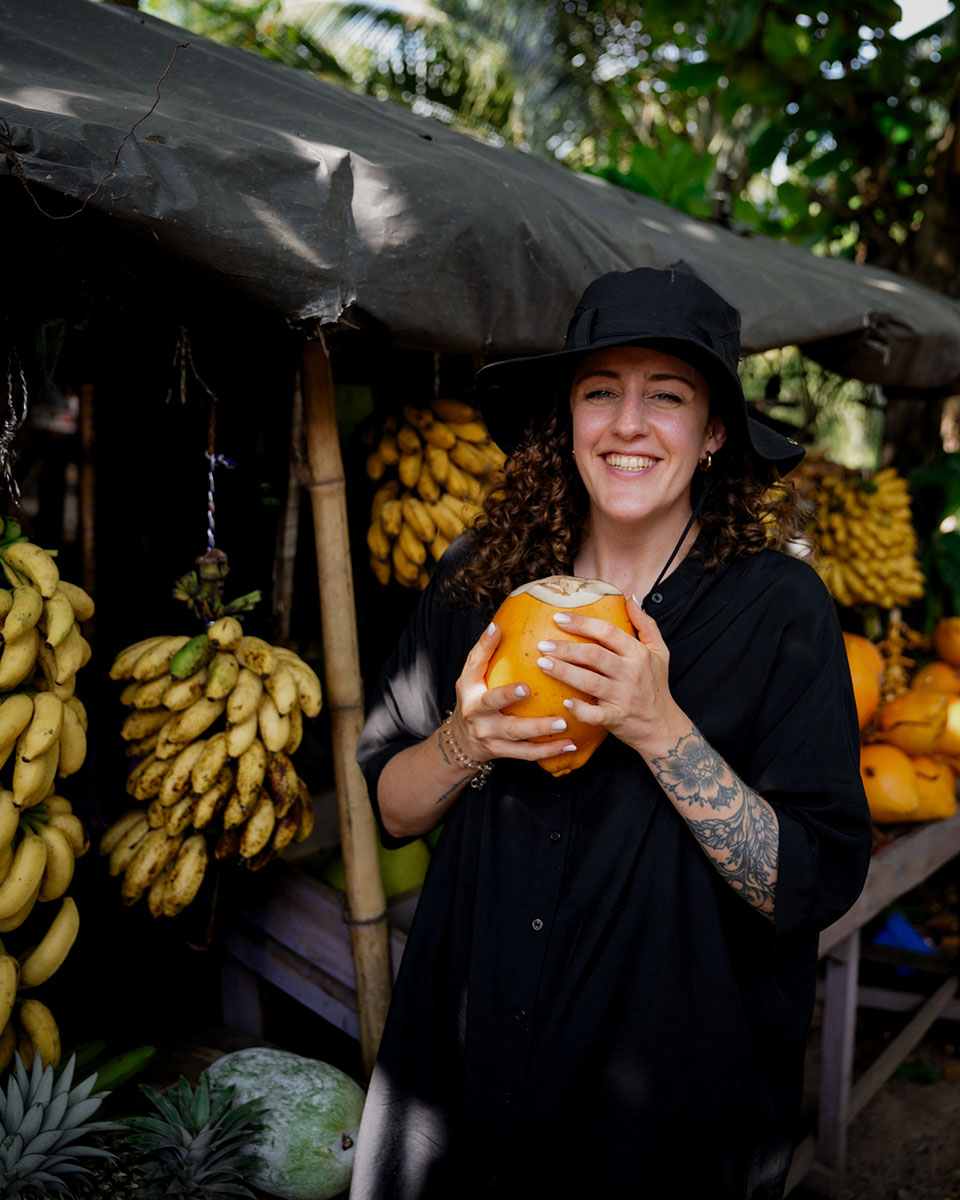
<point>641,423</point>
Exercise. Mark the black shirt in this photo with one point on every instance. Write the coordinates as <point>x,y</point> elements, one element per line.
<point>584,1007</point>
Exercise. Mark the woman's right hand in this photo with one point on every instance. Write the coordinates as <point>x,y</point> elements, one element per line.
<point>480,727</point>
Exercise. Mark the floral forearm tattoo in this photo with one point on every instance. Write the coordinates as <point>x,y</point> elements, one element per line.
<point>741,834</point>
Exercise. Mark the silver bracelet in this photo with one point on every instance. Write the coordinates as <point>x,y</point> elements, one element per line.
<point>482,769</point>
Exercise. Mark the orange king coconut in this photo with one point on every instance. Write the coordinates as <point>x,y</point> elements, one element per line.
<point>526,618</point>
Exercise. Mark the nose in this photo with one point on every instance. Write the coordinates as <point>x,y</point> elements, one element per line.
<point>631,418</point>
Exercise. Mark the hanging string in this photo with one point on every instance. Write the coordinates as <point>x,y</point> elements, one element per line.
<point>12,421</point>
<point>214,460</point>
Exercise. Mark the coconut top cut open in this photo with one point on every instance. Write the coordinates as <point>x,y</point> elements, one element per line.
<point>567,591</point>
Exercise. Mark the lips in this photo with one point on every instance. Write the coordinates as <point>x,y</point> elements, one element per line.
<point>628,462</point>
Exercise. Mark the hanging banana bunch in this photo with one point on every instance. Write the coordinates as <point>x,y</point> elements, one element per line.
<point>212,725</point>
<point>441,463</point>
<point>43,728</point>
<point>867,540</point>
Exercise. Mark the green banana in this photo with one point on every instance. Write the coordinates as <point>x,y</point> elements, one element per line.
<point>121,1068</point>
<point>191,657</point>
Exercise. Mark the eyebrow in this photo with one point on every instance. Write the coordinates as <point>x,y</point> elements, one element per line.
<point>664,377</point>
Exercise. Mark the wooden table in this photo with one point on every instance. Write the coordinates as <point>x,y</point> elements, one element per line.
<point>896,868</point>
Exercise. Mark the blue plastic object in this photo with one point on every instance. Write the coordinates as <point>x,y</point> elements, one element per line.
<point>900,933</point>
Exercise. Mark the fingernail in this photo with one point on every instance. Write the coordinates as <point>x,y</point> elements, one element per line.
<point>546,645</point>
<point>545,664</point>
<point>568,704</point>
<point>561,618</point>
<point>569,749</point>
<point>521,690</point>
<point>490,630</point>
<point>559,724</point>
<point>633,597</point>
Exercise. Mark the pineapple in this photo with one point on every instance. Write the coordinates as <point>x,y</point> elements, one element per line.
<point>194,1149</point>
<point>42,1119</point>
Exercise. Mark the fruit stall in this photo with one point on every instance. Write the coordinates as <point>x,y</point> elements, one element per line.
<point>240,329</point>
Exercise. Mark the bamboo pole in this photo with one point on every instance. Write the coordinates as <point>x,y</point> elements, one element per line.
<point>344,699</point>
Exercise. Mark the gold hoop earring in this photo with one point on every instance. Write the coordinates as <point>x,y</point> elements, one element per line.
<point>706,462</point>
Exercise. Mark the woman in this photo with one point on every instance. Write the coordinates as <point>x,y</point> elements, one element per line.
<point>610,977</point>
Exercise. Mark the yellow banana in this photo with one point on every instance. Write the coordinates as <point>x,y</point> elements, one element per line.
<point>305,827</point>
<point>150,780</point>
<point>32,780</point>
<point>141,747</point>
<point>387,450</point>
<point>6,594</point>
<point>285,829</point>
<point>58,618</point>
<point>386,491</point>
<point>446,520</point>
<point>186,875</point>
<point>185,692</point>
<point>156,814</point>
<point>152,855</point>
<point>156,890</point>
<point>70,825</point>
<point>222,673</point>
<point>126,845</point>
<point>245,697</point>
<point>124,661</point>
<point>177,779</point>
<point>391,517</point>
<point>48,955</point>
<point>411,545</point>
<point>470,458</point>
<point>58,868</point>
<point>256,655</point>
<point>241,736</point>
<point>142,722</point>
<point>44,727</point>
<point>417,516</point>
<point>213,799</point>
<point>440,436</point>
<point>377,541</point>
<point>463,485</point>
<point>438,464</point>
<point>16,919</point>
<point>9,818</point>
<point>408,441</point>
<point>309,690</point>
<point>18,658</point>
<point>296,730</point>
<point>281,782</point>
<point>406,570</point>
<point>381,570</point>
<point>156,659</point>
<point>209,764</point>
<point>26,871</point>
<point>38,1023</point>
<point>34,562</point>
<point>188,725</point>
<point>9,981</point>
<point>251,769</point>
<point>258,827</point>
<point>274,728</point>
<point>427,487</point>
<point>281,685</point>
<point>55,804</point>
<point>26,611</point>
<point>81,601</point>
<point>8,1045</point>
<point>224,633</point>
<point>16,713</point>
<point>113,834</point>
<point>375,466</point>
<point>458,411</point>
<point>151,693</point>
<point>68,656</point>
<point>438,547</point>
<point>409,467</point>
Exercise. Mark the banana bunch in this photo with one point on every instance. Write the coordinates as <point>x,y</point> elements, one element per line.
<point>444,463</point>
<point>867,540</point>
<point>213,723</point>
<point>40,845</point>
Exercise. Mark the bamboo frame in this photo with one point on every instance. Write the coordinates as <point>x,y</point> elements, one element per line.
<point>369,929</point>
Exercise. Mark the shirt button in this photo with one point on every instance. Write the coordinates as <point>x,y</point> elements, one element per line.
<point>536,924</point>
<point>555,836</point>
<point>508,1097</point>
<point>520,1014</point>
<point>656,598</point>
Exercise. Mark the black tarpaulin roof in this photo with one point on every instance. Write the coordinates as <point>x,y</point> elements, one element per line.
<point>327,205</point>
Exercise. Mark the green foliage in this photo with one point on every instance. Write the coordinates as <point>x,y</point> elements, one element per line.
<point>935,492</point>
<point>195,1148</point>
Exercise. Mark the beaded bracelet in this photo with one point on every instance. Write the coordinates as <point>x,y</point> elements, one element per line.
<point>482,769</point>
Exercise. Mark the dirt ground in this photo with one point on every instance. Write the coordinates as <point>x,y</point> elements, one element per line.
<point>905,1143</point>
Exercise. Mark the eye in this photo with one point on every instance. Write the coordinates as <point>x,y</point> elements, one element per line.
<point>667,399</point>
<point>598,394</point>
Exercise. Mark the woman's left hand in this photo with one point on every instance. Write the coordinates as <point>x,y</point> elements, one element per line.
<point>628,676</point>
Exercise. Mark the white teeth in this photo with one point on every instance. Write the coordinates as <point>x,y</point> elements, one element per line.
<point>628,462</point>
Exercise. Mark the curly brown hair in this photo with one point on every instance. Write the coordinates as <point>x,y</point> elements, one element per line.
<point>532,526</point>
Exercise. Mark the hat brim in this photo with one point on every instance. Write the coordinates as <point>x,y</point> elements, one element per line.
<point>512,391</point>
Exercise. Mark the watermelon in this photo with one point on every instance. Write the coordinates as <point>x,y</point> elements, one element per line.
<point>313,1112</point>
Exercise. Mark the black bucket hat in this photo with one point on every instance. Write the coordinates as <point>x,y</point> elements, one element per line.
<point>669,310</point>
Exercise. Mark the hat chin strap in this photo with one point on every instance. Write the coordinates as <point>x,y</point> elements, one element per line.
<point>676,550</point>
